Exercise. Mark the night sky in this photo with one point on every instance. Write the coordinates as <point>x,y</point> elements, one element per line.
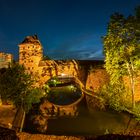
<point>67,29</point>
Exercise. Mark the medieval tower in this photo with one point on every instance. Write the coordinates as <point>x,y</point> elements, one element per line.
<point>30,53</point>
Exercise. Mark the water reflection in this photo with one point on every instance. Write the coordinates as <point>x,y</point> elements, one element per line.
<point>97,123</point>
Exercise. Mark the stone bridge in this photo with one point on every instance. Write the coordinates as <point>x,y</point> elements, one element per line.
<point>52,109</point>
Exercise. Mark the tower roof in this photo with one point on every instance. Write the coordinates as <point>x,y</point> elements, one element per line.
<point>31,40</point>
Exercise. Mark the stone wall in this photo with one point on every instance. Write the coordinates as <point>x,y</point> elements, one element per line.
<point>51,68</point>
<point>5,59</point>
<point>7,134</point>
<point>96,78</point>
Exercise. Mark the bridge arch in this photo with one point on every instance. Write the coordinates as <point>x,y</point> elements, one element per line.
<point>63,97</point>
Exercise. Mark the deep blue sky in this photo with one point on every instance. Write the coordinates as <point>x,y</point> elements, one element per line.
<point>66,28</point>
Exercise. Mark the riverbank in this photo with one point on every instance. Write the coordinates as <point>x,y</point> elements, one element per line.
<point>8,134</point>
<point>27,136</point>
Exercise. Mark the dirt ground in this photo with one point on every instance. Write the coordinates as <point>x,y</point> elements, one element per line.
<point>26,136</point>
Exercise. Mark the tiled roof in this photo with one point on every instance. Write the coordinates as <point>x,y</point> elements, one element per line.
<point>31,39</point>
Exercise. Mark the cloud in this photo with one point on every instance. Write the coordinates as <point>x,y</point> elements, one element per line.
<point>83,47</point>
<point>98,54</point>
<point>77,54</point>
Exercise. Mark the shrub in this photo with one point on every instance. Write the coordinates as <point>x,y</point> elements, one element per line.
<point>115,97</point>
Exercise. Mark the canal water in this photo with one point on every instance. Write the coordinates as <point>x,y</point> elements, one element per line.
<point>97,123</point>
<point>86,123</point>
<point>64,95</point>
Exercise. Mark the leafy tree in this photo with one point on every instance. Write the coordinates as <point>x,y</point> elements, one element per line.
<point>16,86</point>
<point>122,49</point>
<point>46,58</point>
<point>34,95</point>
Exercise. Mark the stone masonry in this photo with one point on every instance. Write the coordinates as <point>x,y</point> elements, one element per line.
<point>31,56</point>
<point>5,59</point>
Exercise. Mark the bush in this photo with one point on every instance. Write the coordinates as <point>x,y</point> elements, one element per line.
<point>115,97</point>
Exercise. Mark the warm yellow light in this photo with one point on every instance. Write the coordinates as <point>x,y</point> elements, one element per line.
<point>62,74</point>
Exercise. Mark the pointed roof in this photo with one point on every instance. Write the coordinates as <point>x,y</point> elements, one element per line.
<point>31,40</point>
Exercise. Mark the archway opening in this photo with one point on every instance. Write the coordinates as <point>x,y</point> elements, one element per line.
<point>62,90</point>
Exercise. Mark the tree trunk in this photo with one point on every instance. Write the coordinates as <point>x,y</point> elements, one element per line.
<point>0,100</point>
<point>132,83</point>
<point>132,92</point>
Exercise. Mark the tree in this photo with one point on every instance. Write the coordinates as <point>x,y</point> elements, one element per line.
<point>46,58</point>
<point>122,49</point>
<point>17,86</point>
